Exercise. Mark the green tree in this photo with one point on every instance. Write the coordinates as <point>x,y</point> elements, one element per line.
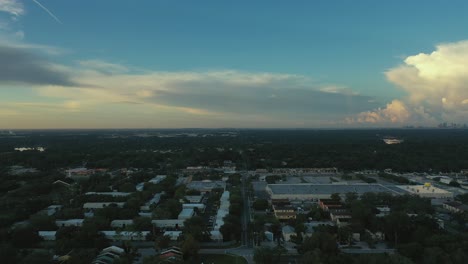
<point>264,255</point>
<point>336,197</point>
<point>260,204</point>
<point>164,242</point>
<point>8,254</point>
<point>142,223</point>
<point>196,228</point>
<point>323,241</point>
<point>43,223</point>
<point>24,237</point>
<point>351,197</point>
<point>190,248</point>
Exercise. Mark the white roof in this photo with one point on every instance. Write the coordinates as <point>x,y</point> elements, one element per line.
<point>196,198</point>
<point>179,222</point>
<point>288,229</point>
<point>157,179</point>
<point>47,233</point>
<point>141,235</point>
<point>186,213</point>
<point>114,249</point>
<point>70,221</point>
<point>113,194</point>
<point>173,234</point>
<point>101,205</point>
<point>216,235</point>
<point>121,221</point>
<point>193,205</point>
<point>415,189</point>
<point>139,187</point>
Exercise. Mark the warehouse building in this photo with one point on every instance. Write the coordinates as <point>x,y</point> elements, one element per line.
<point>314,192</point>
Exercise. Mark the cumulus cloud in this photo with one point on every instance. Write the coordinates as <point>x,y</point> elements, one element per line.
<point>395,112</point>
<point>25,66</point>
<point>436,85</point>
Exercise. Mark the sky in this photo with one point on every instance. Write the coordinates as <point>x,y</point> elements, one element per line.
<point>236,64</point>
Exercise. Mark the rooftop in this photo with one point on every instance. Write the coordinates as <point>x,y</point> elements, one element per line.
<point>310,189</point>
<point>414,189</point>
<point>206,185</point>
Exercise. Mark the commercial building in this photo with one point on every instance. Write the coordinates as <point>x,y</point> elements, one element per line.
<point>206,185</point>
<point>455,207</point>
<point>304,171</point>
<point>283,209</point>
<point>427,191</point>
<point>327,204</point>
<point>314,192</point>
<point>340,216</point>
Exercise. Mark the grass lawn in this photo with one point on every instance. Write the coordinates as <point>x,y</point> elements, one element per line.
<point>222,259</point>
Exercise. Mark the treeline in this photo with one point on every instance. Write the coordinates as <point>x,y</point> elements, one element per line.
<point>438,150</point>
<point>395,178</point>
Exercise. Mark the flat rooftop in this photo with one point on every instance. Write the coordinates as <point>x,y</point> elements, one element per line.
<point>310,189</point>
<point>422,189</point>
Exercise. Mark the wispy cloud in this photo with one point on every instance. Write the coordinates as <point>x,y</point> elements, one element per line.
<point>48,11</point>
<point>9,28</point>
<point>13,7</point>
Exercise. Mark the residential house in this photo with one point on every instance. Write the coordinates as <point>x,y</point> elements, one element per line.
<point>69,222</point>
<point>121,223</point>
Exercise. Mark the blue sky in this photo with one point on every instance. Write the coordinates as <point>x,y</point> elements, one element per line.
<point>232,63</point>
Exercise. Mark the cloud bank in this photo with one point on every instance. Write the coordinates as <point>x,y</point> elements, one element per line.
<point>210,98</point>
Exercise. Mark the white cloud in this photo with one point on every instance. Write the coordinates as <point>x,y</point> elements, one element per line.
<point>394,113</point>
<point>9,28</point>
<point>203,98</point>
<point>436,85</point>
<point>103,66</point>
<point>12,7</point>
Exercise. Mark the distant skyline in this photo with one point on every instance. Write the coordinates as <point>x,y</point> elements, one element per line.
<point>237,64</point>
